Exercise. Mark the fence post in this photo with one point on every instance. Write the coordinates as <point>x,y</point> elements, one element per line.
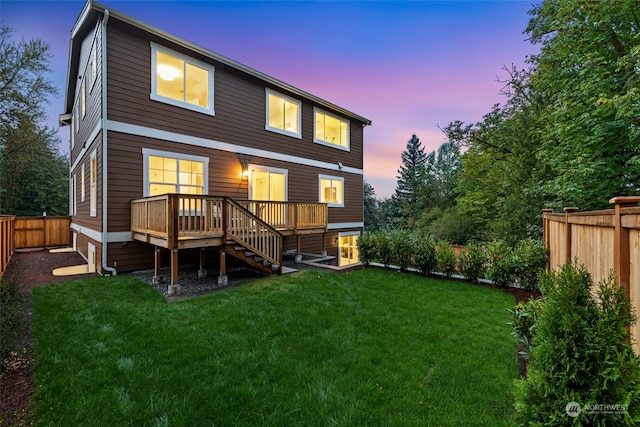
<point>545,235</point>
<point>567,233</point>
<point>621,252</point>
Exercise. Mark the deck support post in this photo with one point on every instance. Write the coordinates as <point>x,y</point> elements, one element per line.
<point>202,272</point>
<point>324,246</point>
<point>298,249</point>
<point>157,278</point>
<point>223,280</point>
<point>174,287</point>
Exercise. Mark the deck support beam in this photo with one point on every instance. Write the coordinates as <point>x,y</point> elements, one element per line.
<point>174,287</point>
<point>202,272</point>
<point>223,280</point>
<point>157,260</point>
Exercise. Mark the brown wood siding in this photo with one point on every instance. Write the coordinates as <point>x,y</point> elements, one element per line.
<point>82,245</point>
<point>131,256</point>
<point>125,178</point>
<point>83,210</point>
<point>94,98</point>
<point>239,105</point>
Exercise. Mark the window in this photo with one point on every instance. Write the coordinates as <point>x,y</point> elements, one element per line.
<point>76,119</point>
<point>283,114</point>
<point>93,188</point>
<point>83,99</point>
<point>348,247</point>
<point>93,67</point>
<point>174,173</point>
<point>331,190</point>
<point>74,193</point>
<point>331,130</point>
<point>182,81</point>
<point>82,183</point>
<point>268,184</point>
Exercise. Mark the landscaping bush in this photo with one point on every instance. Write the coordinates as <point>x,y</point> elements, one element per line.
<point>384,252</point>
<point>500,259</point>
<point>529,261</point>
<point>581,353</point>
<point>523,321</point>
<point>401,248</point>
<point>471,262</point>
<point>424,257</point>
<point>446,259</point>
<point>367,247</point>
<point>12,323</point>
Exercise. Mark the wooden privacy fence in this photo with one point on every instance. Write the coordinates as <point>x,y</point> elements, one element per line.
<point>7,240</point>
<point>42,232</point>
<point>603,241</point>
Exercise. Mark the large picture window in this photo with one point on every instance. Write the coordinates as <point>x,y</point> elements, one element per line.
<point>174,173</point>
<point>331,130</point>
<point>182,81</point>
<point>331,190</point>
<point>283,114</point>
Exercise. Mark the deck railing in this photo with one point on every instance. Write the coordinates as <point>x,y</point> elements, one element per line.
<point>254,224</point>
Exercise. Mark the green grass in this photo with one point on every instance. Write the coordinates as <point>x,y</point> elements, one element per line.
<point>372,347</point>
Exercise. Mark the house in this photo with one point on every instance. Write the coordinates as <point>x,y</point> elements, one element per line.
<point>176,149</point>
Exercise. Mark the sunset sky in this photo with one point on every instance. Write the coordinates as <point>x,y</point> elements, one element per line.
<point>408,66</point>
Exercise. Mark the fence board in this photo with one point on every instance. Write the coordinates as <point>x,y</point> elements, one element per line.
<point>42,232</point>
<point>7,240</point>
<point>604,242</point>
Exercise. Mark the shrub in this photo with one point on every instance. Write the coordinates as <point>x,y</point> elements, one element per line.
<point>523,321</point>
<point>383,245</point>
<point>424,257</point>
<point>367,247</point>
<point>446,259</point>
<point>500,258</point>
<point>529,260</point>
<point>401,248</point>
<point>472,262</point>
<point>12,323</point>
<point>581,353</point>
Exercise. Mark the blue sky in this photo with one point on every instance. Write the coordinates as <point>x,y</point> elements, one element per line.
<point>409,66</point>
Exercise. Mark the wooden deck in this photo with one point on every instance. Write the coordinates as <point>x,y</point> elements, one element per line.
<point>253,229</point>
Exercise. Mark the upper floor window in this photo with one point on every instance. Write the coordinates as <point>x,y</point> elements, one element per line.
<point>331,190</point>
<point>179,80</point>
<point>92,69</point>
<point>174,173</point>
<point>83,98</point>
<point>331,130</point>
<point>283,114</point>
<point>93,184</point>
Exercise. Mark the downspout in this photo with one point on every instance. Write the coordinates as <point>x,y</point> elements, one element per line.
<point>105,241</point>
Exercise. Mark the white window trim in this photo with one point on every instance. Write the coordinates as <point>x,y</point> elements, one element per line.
<point>326,143</point>
<point>346,234</point>
<point>154,82</point>
<point>93,187</point>
<point>83,98</point>
<point>74,202</point>
<point>332,178</point>
<point>82,183</point>
<point>146,152</point>
<point>285,172</point>
<point>287,98</point>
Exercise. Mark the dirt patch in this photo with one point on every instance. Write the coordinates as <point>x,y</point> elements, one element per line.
<point>30,269</point>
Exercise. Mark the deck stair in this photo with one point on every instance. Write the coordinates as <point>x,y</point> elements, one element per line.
<point>253,260</point>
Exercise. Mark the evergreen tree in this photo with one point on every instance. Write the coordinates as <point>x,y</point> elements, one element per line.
<point>371,210</point>
<point>411,185</point>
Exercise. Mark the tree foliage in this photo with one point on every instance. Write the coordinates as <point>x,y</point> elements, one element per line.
<point>33,175</point>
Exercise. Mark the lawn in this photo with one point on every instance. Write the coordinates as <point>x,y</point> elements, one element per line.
<point>372,347</point>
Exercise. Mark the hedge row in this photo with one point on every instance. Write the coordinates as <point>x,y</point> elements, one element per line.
<point>496,261</point>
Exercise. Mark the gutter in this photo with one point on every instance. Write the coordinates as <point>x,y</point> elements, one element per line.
<point>105,242</point>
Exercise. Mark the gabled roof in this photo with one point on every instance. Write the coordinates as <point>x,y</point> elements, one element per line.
<point>93,10</point>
